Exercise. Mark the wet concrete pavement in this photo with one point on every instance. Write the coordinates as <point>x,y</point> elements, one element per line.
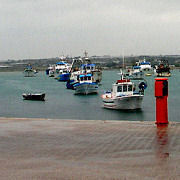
<point>70,149</point>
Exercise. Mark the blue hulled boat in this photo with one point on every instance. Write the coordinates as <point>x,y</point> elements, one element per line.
<point>85,85</point>
<point>63,77</point>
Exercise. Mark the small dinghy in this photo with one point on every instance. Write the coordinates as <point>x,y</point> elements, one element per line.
<point>34,96</point>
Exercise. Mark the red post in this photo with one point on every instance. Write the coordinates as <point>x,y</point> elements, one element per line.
<point>161,94</point>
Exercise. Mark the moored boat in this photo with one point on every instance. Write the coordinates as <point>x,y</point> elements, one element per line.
<point>124,95</point>
<point>34,96</point>
<point>163,69</point>
<point>62,67</point>
<point>85,85</point>
<point>141,68</point>
<point>29,71</point>
<point>146,67</point>
<point>74,73</point>
<point>89,67</point>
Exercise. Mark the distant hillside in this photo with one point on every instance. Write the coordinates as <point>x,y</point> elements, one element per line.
<point>106,62</point>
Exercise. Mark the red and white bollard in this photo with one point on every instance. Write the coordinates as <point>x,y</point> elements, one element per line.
<point>161,94</point>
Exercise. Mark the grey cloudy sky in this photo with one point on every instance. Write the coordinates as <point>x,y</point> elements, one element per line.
<point>48,28</point>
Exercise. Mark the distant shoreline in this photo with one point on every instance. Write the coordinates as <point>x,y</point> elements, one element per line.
<point>41,70</point>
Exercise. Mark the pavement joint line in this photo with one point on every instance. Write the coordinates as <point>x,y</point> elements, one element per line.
<point>171,123</point>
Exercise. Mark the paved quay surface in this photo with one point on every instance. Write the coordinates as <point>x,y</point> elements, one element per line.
<point>88,150</point>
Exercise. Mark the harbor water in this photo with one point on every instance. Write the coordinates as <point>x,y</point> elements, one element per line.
<point>61,103</point>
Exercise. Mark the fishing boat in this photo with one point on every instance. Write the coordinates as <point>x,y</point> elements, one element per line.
<point>163,69</point>
<point>73,79</point>
<point>125,95</point>
<point>62,67</point>
<point>60,70</point>
<point>74,72</point>
<point>85,85</point>
<point>91,68</point>
<point>145,67</point>
<point>50,71</point>
<point>141,68</point>
<point>29,71</point>
<point>137,72</point>
<point>63,72</point>
<point>83,66</point>
<point>34,96</point>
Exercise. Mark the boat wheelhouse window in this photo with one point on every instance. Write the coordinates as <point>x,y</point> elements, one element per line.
<point>124,88</point>
<point>89,77</point>
<point>119,89</point>
<point>85,78</point>
<point>81,78</point>
<point>129,87</point>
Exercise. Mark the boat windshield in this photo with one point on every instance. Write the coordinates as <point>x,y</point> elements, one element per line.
<point>119,89</point>
<point>129,87</point>
<point>124,88</point>
<point>85,78</point>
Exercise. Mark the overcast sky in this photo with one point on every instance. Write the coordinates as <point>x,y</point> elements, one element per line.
<point>50,28</point>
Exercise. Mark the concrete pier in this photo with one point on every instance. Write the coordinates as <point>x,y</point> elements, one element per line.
<point>88,150</point>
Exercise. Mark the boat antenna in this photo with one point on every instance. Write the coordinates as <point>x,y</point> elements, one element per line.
<point>85,53</point>
<point>122,75</point>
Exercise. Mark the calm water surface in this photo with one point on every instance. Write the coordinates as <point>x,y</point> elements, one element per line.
<point>63,104</point>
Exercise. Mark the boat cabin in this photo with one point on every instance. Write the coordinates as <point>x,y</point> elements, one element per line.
<point>85,78</point>
<point>88,67</point>
<point>123,88</point>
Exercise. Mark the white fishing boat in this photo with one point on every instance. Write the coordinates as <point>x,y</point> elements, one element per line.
<point>125,95</point>
<point>137,72</point>
<point>145,67</point>
<point>85,85</point>
<point>141,68</point>
<point>62,67</point>
<point>50,71</point>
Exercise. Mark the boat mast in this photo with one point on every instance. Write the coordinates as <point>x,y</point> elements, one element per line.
<point>123,60</point>
<point>85,54</point>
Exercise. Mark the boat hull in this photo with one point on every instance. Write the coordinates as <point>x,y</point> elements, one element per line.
<point>70,84</point>
<point>163,74</point>
<point>63,77</point>
<point>86,88</point>
<point>124,102</point>
<point>148,74</point>
<point>29,74</point>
